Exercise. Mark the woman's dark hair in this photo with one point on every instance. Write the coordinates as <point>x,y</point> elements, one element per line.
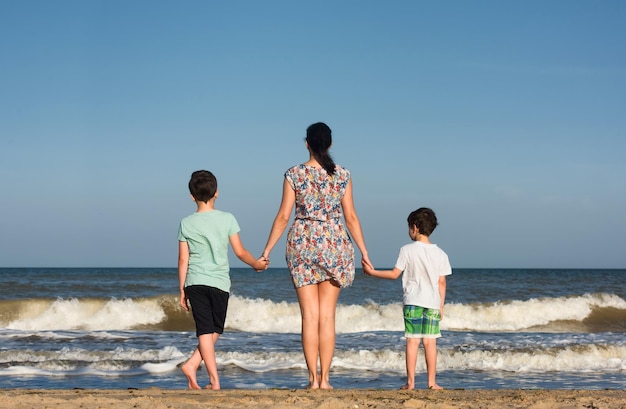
<point>202,185</point>
<point>424,219</point>
<point>319,138</point>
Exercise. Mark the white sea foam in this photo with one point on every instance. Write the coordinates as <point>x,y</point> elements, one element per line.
<point>91,314</point>
<point>162,367</point>
<point>520,315</point>
<point>267,316</point>
<point>25,371</point>
<point>262,361</point>
<point>262,316</point>
<point>587,358</point>
<point>580,359</point>
<point>71,354</point>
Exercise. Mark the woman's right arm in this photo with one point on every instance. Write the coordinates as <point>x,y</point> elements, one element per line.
<point>282,218</point>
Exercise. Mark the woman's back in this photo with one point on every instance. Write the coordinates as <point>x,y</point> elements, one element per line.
<point>318,194</point>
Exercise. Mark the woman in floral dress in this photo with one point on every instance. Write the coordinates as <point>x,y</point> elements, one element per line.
<point>320,253</point>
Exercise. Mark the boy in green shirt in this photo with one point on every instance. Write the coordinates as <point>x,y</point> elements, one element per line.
<point>204,272</point>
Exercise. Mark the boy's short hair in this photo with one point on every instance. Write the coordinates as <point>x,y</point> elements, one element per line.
<point>203,185</point>
<point>424,219</point>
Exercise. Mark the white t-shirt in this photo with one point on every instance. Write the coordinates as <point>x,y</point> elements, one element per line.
<point>422,265</point>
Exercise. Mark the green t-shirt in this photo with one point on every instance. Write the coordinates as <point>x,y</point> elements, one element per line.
<point>208,234</point>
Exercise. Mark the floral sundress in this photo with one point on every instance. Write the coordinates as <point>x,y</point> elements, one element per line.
<point>318,245</point>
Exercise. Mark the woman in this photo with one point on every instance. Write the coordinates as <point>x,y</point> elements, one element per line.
<point>320,254</point>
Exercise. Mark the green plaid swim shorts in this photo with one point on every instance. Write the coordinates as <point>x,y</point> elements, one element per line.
<point>420,322</point>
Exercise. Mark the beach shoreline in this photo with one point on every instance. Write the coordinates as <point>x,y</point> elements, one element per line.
<point>156,398</point>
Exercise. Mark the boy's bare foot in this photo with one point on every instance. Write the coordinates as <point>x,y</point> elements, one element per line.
<point>407,387</point>
<point>213,387</point>
<point>435,386</point>
<point>190,373</point>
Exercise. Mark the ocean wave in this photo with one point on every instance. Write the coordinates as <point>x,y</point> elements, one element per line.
<point>562,359</point>
<point>68,362</point>
<point>102,359</point>
<point>586,313</point>
<point>94,314</point>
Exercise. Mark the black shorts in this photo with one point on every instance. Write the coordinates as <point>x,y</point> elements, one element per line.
<point>208,305</point>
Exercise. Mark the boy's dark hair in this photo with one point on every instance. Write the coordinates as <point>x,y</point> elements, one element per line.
<point>319,137</point>
<point>203,185</point>
<point>424,219</point>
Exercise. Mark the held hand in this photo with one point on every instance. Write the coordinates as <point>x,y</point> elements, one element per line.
<point>262,263</point>
<point>365,261</point>
<point>367,267</point>
<point>183,300</point>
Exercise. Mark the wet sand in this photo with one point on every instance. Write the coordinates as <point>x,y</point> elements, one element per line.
<point>154,398</point>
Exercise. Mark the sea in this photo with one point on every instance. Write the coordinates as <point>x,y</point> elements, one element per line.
<point>105,328</point>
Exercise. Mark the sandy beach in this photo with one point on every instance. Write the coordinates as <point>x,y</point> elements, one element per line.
<point>337,399</point>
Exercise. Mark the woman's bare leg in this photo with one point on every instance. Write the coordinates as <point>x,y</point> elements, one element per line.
<point>328,296</point>
<point>308,299</point>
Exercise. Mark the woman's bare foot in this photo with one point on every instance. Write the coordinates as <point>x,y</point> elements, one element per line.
<point>190,373</point>
<point>435,386</point>
<point>407,387</point>
<point>313,382</point>
<point>213,387</point>
<point>325,385</point>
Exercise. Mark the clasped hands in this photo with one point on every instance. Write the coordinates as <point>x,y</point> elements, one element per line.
<point>367,266</point>
<point>263,263</point>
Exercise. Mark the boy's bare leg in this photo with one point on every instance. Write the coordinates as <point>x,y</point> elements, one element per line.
<point>190,369</point>
<point>207,351</point>
<point>328,295</point>
<point>430,351</point>
<point>412,347</point>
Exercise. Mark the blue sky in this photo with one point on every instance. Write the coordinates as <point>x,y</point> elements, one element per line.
<point>507,118</point>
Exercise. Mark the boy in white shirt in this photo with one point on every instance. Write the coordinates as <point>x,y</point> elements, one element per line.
<point>425,267</point>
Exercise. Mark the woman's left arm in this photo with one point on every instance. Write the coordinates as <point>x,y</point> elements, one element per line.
<point>353,224</point>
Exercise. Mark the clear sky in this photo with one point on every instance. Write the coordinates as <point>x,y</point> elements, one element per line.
<point>507,118</point>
